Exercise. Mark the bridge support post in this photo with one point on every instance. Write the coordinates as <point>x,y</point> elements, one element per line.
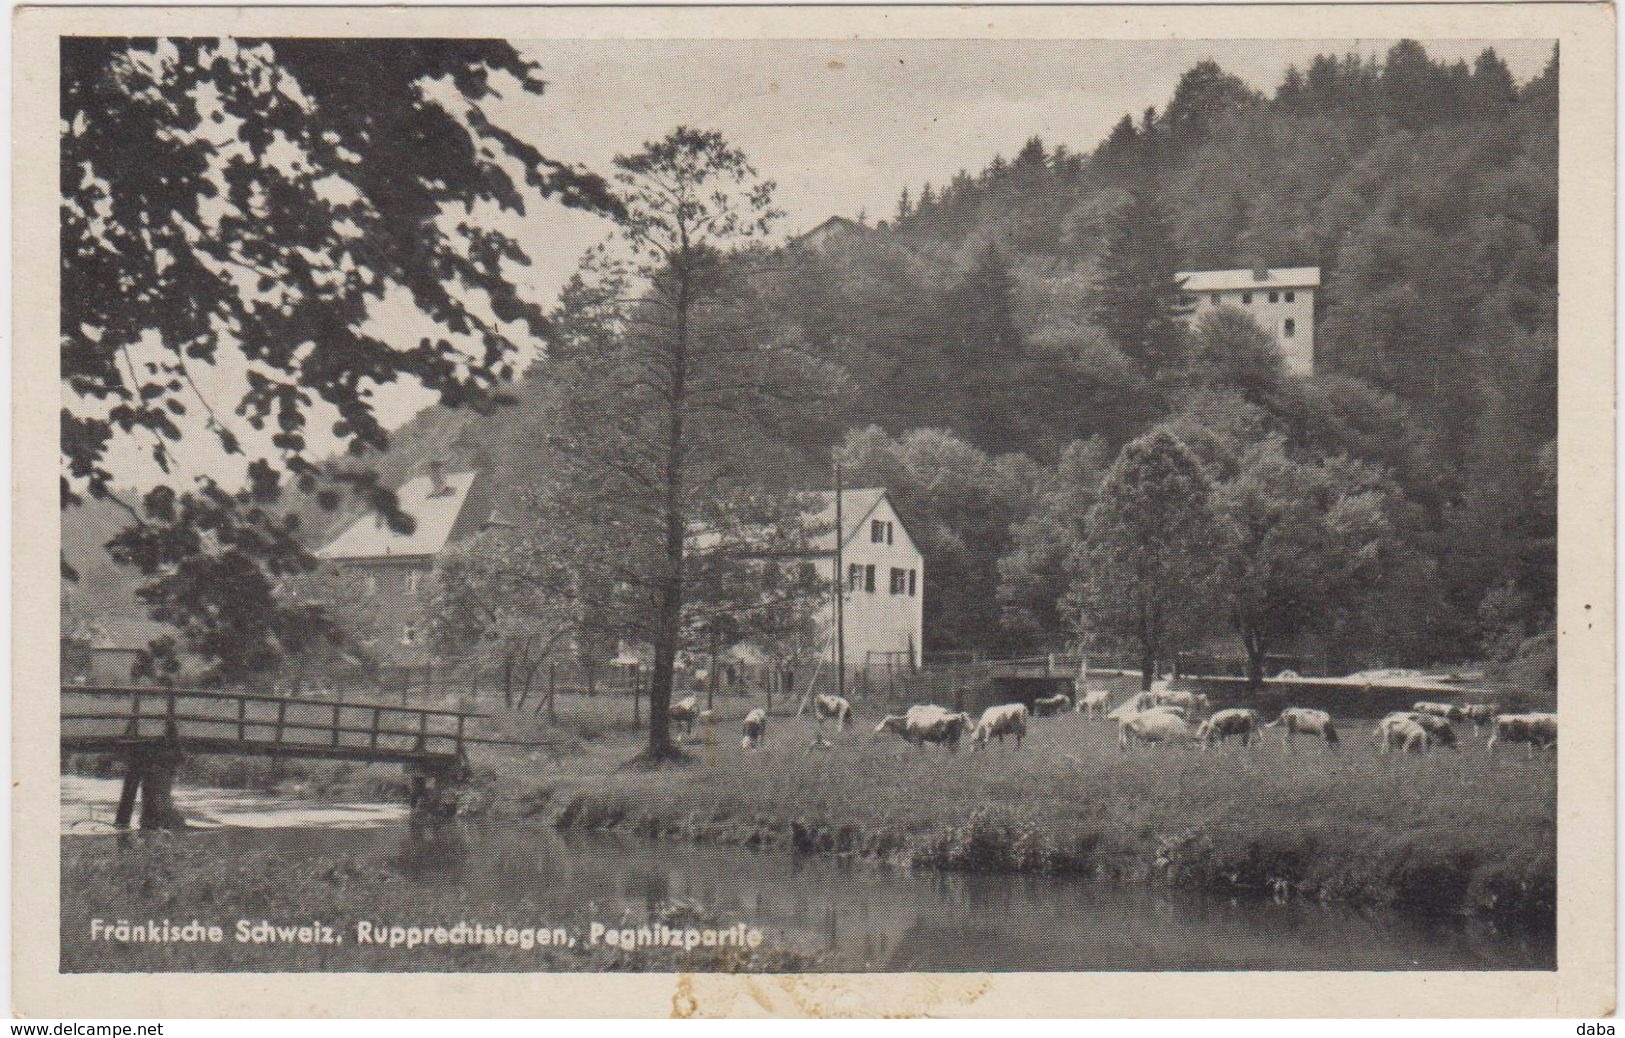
<point>158,795</point>
<point>434,787</point>
<point>134,766</point>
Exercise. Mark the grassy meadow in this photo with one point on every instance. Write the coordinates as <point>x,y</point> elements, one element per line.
<point>1447,833</point>
<point>1443,833</point>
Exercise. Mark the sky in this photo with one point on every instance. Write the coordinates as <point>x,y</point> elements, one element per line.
<point>841,126</point>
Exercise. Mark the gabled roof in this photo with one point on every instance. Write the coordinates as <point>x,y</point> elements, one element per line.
<point>129,634</point>
<point>1247,277</point>
<point>834,223</point>
<point>856,506</point>
<point>818,520</point>
<point>436,513</point>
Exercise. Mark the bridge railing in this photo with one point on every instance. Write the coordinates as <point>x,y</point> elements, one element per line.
<point>261,722</point>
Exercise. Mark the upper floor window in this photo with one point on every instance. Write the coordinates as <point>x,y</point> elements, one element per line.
<point>899,581</point>
<point>1275,297</point>
<point>1289,327</point>
<point>880,532</point>
<point>1246,299</point>
<point>854,576</point>
<point>372,583</point>
<point>414,580</point>
<point>1290,296</point>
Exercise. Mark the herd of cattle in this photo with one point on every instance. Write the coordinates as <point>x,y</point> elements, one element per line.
<point>1162,715</point>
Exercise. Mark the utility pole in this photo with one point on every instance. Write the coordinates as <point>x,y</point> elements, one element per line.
<point>840,588</point>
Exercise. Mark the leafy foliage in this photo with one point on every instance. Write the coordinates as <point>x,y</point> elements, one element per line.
<point>247,204</point>
<point>1146,562</point>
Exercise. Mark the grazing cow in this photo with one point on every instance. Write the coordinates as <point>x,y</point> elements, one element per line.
<point>1479,714</point>
<point>923,724</point>
<point>684,712</point>
<point>1533,730</point>
<point>1191,702</point>
<point>1047,705</point>
<point>835,708</point>
<point>998,721</point>
<point>1232,721</point>
<point>1448,711</point>
<point>1093,701</point>
<point>1400,731</point>
<point>755,729</point>
<point>1154,726</point>
<point>1440,731</point>
<point>1295,719</point>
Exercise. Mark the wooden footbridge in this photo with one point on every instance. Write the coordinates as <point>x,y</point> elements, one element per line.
<point>153,729</point>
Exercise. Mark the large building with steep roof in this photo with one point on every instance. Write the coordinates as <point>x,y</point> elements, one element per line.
<point>883,579</point>
<point>393,568</point>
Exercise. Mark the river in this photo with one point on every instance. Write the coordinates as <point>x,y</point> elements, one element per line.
<point>856,916</point>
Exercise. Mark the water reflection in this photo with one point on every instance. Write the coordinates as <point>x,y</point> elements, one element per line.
<point>861,917</point>
<point>434,847</point>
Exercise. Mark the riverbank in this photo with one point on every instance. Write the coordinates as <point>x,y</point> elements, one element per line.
<point>1444,835</point>
<point>1462,835</point>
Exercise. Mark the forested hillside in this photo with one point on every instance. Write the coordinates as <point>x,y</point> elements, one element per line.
<point>1426,193</point>
<point>1005,334</point>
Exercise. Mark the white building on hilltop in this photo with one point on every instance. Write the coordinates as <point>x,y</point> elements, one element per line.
<point>1281,300</point>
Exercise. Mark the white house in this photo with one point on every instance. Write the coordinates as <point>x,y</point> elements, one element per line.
<point>1281,300</point>
<point>883,581</point>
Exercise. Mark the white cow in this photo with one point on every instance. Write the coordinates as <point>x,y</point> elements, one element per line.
<point>1400,731</point>
<point>1232,721</point>
<point>1093,701</point>
<point>684,712</point>
<point>1295,719</point>
<point>998,721</point>
<point>923,724</point>
<point>836,708</point>
<point>1159,725</point>
<point>755,729</point>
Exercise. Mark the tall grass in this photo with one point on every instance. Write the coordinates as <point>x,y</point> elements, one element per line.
<point>1443,833</point>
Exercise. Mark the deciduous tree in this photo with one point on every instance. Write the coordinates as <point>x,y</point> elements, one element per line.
<point>246,205</point>
<point>1143,571</point>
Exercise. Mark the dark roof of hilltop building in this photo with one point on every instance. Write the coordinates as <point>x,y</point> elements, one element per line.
<point>830,227</point>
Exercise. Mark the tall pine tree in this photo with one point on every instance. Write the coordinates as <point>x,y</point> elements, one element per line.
<point>1139,303</point>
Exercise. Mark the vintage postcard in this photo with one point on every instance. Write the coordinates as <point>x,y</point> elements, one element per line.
<point>1065,511</point>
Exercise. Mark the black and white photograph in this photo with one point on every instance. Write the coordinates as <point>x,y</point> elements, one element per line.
<point>808,506</point>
